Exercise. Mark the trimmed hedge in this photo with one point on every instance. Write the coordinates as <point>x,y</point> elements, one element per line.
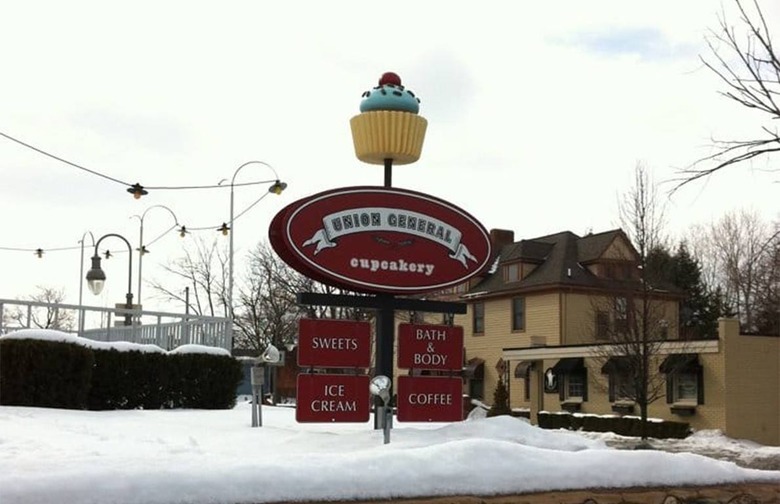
<point>68,375</point>
<point>44,373</point>
<point>130,380</point>
<point>625,426</point>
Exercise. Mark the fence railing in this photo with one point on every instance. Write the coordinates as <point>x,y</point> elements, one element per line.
<point>166,330</point>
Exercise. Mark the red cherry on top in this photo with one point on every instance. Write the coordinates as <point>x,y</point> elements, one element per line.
<point>390,78</point>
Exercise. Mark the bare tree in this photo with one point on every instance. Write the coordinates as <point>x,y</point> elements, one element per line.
<point>633,321</point>
<point>767,310</point>
<point>739,251</point>
<point>48,316</point>
<point>748,66</point>
<point>267,311</point>
<point>203,269</point>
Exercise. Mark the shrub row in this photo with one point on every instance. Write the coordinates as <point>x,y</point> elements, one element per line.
<point>67,375</point>
<point>625,426</point>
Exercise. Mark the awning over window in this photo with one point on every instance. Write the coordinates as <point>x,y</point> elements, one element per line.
<point>680,362</point>
<point>475,369</point>
<point>569,365</point>
<point>616,365</point>
<point>522,368</point>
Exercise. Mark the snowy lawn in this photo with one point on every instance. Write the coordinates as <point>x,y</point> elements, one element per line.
<point>196,456</point>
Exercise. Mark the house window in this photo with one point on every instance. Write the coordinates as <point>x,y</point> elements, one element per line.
<point>685,386</point>
<point>518,314</point>
<point>512,272</point>
<point>479,318</point>
<point>602,325</point>
<point>623,386</point>
<point>684,379</point>
<point>575,386</point>
<point>448,319</point>
<point>663,329</point>
<point>572,377</point>
<point>621,315</point>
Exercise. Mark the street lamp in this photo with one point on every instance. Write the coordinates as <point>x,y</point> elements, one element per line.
<point>96,277</point>
<point>141,247</point>
<point>276,188</point>
<point>81,279</point>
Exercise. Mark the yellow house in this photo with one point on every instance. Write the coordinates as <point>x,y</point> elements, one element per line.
<point>542,317</point>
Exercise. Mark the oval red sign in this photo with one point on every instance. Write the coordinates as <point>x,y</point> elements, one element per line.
<point>381,239</point>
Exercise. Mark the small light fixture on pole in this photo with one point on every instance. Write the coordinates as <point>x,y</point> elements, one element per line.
<point>380,386</point>
<point>142,250</point>
<point>96,277</point>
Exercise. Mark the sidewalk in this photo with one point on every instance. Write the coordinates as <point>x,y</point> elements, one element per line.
<point>756,493</point>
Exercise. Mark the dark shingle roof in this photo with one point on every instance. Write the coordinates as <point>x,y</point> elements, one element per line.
<point>559,258</point>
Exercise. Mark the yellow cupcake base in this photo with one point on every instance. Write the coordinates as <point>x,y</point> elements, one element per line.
<point>388,134</point>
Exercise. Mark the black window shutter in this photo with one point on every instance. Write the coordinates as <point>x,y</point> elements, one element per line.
<point>611,387</point>
<point>561,386</point>
<point>669,388</point>
<point>700,385</point>
<point>584,385</point>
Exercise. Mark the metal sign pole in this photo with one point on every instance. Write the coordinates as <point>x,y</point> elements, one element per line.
<point>257,380</point>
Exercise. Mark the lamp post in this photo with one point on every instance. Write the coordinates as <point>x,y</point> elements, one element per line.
<point>141,247</point>
<point>96,277</point>
<point>81,279</point>
<point>276,188</point>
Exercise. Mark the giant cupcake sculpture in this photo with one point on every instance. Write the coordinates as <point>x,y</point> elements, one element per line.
<point>389,126</point>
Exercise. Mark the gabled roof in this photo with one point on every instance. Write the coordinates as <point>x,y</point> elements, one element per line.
<point>559,260</point>
<point>592,246</point>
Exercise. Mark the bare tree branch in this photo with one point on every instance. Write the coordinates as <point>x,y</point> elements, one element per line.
<point>750,69</point>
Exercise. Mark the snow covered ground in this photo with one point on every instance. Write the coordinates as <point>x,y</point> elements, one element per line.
<point>197,456</point>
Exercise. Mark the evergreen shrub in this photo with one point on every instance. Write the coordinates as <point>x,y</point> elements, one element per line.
<point>204,381</point>
<point>46,374</point>
<point>624,426</point>
<point>500,401</point>
<point>68,375</point>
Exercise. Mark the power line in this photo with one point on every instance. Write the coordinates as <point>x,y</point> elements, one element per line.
<point>118,181</point>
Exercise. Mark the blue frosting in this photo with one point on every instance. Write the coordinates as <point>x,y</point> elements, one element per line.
<point>390,97</point>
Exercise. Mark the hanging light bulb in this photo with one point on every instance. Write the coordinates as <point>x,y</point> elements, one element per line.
<point>183,231</point>
<point>277,187</point>
<point>224,228</point>
<point>137,190</point>
<point>108,254</point>
<point>39,253</point>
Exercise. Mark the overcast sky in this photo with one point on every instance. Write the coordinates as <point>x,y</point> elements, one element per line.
<point>537,116</point>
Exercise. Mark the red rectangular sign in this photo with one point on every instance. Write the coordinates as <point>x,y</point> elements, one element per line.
<point>334,343</point>
<point>425,346</point>
<point>430,399</point>
<point>332,398</point>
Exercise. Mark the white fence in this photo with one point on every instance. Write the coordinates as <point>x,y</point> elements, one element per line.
<point>166,330</point>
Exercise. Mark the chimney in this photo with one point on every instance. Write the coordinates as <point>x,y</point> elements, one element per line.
<point>501,237</point>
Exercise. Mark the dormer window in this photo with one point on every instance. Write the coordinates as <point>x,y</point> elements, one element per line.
<point>512,272</point>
